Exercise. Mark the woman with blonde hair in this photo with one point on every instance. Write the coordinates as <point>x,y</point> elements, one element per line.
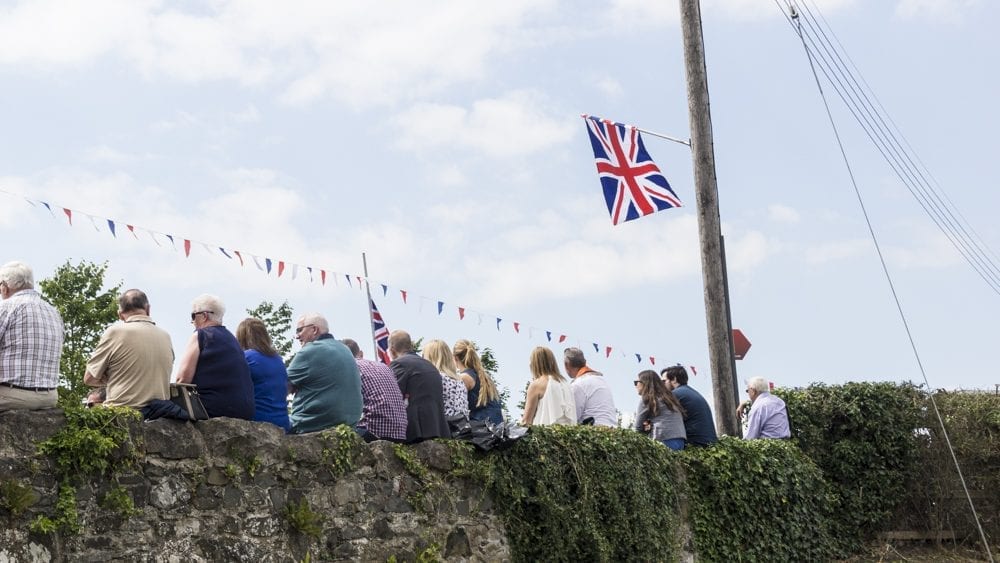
<point>267,370</point>
<point>660,414</point>
<point>550,398</point>
<point>484,400</point>
<point>456,400</point>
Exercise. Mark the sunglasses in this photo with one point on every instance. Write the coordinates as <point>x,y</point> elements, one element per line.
<point>196,313</point>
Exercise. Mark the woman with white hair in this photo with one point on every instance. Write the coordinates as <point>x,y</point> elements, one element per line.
<point>214,361</point>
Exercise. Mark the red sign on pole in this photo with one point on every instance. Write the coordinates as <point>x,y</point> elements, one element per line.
<point>740,344</point>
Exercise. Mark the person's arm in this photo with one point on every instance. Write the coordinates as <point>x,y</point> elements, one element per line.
<point>642,418</point>
<point>741,408</point>
<point>755,420</point>
<point>535,391</point>
<point>468,381</point>
<point>95,372</point>
<point>189,360</point>
<point>92,381</point>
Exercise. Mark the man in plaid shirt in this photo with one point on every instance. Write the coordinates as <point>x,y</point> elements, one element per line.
<point>383,416</point>
<point>31,338</point>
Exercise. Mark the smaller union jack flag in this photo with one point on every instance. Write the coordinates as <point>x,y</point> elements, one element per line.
<point>633,185</point>
<point>381,334</point>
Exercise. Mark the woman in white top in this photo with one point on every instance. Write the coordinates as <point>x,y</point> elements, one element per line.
<point>456,401</point>
<point>550,398</point>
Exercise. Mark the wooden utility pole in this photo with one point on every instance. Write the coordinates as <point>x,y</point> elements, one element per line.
<point>720,346</point>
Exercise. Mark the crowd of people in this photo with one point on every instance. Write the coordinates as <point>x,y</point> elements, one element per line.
<point>416,397</point>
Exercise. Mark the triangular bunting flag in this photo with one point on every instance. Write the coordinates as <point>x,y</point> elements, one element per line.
<point>461,313</point>
<point>440,307</point>
<point>187,248</point>
<point>240,256</point>
<point>281,267</point>
<point>517,328</point>
<point>267,262</point>
<point>607,352</point>
<point>548,335</point>
<point>403,293</point>
<point>69,215</point>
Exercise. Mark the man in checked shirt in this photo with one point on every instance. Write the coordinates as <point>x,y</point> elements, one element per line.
<point>31,338</point>
<point>383,416</point>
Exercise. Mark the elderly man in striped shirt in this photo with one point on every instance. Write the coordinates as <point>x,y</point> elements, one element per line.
<point>31,339</point>
<point>383,415</point>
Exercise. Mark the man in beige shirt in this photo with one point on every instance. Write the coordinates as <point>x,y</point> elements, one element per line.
<point>134,358</point>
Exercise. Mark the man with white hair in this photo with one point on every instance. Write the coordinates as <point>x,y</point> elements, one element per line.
<point>768,416</point>
<point>325,379</point>
<point>31,338</point>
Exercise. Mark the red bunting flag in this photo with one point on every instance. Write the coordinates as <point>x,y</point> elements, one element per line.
<point>607,352</point>
<point>562,338</point>
<point>240,256</point>
<point>322,276</point>
<point>517,328</point>
<point>187,248</point>
<point>403,293</point>
<point>461,313</point>
<point>652,360</point>
<point>281,267</point>
<point>694,370</point>
<point>69,214</point>
<point>132,230</point>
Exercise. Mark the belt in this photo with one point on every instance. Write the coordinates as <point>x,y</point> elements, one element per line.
<point>36,389</point>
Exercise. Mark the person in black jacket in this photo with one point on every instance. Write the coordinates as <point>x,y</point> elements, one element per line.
<point>420,383</point>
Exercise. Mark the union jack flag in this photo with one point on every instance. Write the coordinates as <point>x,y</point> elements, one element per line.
<point>381,334</point>
<point>633,185</point>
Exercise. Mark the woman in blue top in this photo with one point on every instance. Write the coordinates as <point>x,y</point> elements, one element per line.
<point>267,370</point>
<point>484,400</point>
<point>213,360</point>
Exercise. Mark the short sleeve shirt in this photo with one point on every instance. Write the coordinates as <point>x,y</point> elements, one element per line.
<point>31,339</point>
<point>133,360</point>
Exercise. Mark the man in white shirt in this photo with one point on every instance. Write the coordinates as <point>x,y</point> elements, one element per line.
<point>591,391</point>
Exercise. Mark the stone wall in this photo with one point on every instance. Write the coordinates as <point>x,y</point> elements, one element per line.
<point>230,490</point>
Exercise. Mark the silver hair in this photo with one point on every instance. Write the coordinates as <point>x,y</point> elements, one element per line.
<point>17,276</point>
<point>211,305</point>
<point>758,384</point>
<point>574,357</point>
<point>316,319</point>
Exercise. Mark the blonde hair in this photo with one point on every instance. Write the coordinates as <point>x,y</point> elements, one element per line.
<point>543,362</point>
<point>465,352</point>
<point>438,353</point>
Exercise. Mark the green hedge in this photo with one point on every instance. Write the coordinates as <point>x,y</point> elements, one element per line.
<point>861,435</point>
<point>592,494</point>
<point>586,494</point>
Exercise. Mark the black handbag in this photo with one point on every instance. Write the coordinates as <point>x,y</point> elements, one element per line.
<point>185,396</point>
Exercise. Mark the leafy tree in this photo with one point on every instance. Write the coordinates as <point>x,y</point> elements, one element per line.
<point>76,291</point>
<point>278,321</point>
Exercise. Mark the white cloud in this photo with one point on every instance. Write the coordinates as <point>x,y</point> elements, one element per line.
<point>837,251</point>
<point>249,114</point>
<point>611,87</point>
<point>950,11</point>
<point>363,54</point>
<point>513,125</point>
<point>782,213</point>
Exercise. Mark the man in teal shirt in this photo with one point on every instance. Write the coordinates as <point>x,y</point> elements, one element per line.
<point>324,378</point>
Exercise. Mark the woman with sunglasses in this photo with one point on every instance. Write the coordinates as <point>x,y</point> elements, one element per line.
<point>213,360</point>
<point>660,414</point>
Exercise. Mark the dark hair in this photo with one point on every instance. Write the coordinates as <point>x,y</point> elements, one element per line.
<point>654,391</point>
<point>676,373</point>
<point>132,300</point>
<point>252,335</point>
<point>353,347</point>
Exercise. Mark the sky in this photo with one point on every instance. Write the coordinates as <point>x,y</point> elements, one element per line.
<point>444,141</point>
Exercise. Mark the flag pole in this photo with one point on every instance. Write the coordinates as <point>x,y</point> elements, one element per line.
<point>662,136</point>
<point>720,345</point>
<point>371,315</point>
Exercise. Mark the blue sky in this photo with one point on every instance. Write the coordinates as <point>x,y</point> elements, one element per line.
<point>444,140</point>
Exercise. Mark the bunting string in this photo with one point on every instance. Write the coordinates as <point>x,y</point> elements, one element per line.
<point>278,268</point>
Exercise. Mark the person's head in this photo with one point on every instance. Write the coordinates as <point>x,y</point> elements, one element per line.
<point>399,343</point>
<point>311,326</point>
<point>353,347</point>
<point>573,361</point>
<point>675,375</point>
<point>252,335</point>
<point>132,302</point>
<point>756,386</point>
<point>97,396</point>
<point>652,391</point>
<point>467,357</point>
<point>15,276</point>
<point>438,353</point>
<point>543,362</point>
<point>207,310</point>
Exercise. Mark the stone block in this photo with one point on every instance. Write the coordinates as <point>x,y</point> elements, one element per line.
<point>434,454</point>
<point>172,439</point>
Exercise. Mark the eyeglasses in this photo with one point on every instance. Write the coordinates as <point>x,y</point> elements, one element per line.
<point>196,313</point>
<point>299,330</point>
